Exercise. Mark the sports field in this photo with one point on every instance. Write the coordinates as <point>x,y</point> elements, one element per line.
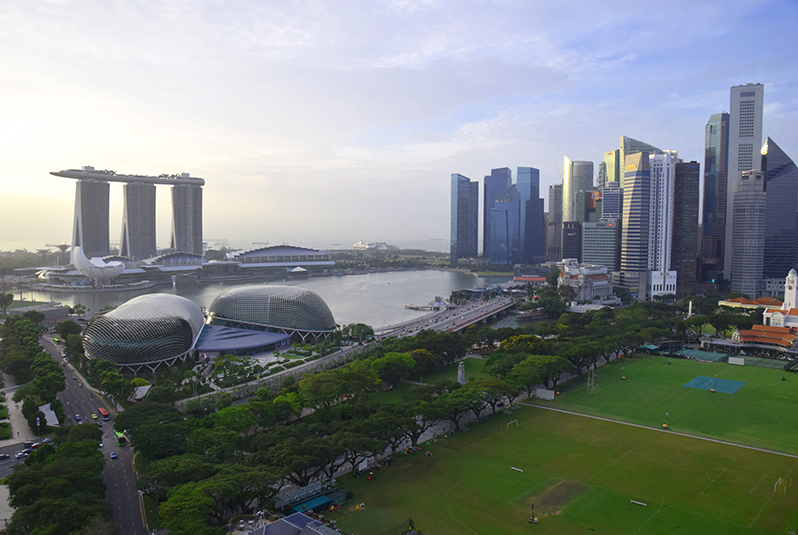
<point>581,473</point>
<point>762,413</point>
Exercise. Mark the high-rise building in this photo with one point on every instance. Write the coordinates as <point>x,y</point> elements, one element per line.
<point>684,249</point>
<point>572,240</point>
<point>554,223</point>
<point>745,139</point>
<point>498,180</point>
<point>464,218</point>
<point>601,180</point>
<point>601,243</point>
<point>612,201</point>
<point>90,228</point>
<point>630,146</point>
<point>577,176</point>
<point>187,218</point>
<point>533,225</point>
<point>138,221</point>
<point>748,226</point>
<point>713,223</point>
<point>612,167</point>
<point>646,233</point>
<point>505,228</point>
<point>588,205</point>
<point>781,225</point>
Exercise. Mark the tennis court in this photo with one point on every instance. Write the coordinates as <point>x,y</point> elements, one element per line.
<point>724,386</point>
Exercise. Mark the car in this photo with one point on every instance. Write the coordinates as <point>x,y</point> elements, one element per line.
<point>4,456</point>
<point>101,445</point>
<point>21,455</point>
<point>47,440</point>
<point>27,450</point>
<point>80,385</point>
<point>28,443</point>
<point>74,378</point>
<point>35,445</point>
<point>77,417</point>
<point>113,455</point>
<point>93,416</point>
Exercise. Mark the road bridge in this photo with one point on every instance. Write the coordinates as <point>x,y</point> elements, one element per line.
<point>451,320</point>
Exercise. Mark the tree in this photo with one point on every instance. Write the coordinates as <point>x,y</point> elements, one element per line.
<point>65,328</point>
<point>5,302</point>
<point>393,367</point>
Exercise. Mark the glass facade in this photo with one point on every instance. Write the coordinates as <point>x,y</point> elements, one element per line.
<point>276,307</point>
<point>713,226</point>
<point>464,215</point>
<point>147,329</point>
<point>554,234</point>
<point>748,228</point>
<point>684,246</point>
<point>630,146</point>
<point>498,180</point>
<point>781,224</point>
<point>187,218</point>
<point>505,228</point>
<point>91,229</point>
<point>577,176</point>
<point>138,221</point>
<point>533,218</point>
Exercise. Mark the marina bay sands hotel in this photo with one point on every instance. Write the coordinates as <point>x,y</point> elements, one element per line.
<point>91,226</point>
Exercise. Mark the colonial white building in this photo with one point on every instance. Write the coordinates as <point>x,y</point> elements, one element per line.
<point>590,282</point>
<point>787,315</point>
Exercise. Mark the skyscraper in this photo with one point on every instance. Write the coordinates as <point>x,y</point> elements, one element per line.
<point>713,226</point>
<point>498,180</point>
<point>576,176</point>
<point>647,229</point>
<point>90,229</point>
<point>464,218</point>
<point>745,139</point>
<point>781,223</point>
<point>630,146</point>
<point>612,167</point>
<point>611,201</point>
<point>685,225</point>
<point>505,228</point>
<point>601,181</point>
<point>554,234</point>
<point>572,240</point>
<point>533,223</point>
<point>138,221</point>
<point>601,243</point>
<point>187,218</point>
<point>748,226</point>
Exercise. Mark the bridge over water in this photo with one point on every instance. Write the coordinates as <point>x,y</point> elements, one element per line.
<point>451,320</point>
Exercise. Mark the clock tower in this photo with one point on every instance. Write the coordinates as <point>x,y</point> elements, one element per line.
<point>790,290</point>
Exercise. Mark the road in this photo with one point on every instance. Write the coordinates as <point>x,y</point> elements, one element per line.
<point>118,474</point>
<point>452,319</point>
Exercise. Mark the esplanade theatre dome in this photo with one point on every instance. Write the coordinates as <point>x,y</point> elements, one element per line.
<point>144,332</point>
<point>282,308</point>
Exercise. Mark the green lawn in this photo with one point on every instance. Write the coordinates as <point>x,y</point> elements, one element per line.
<point>762,413</point>
<point>473,369</point>
<point>581,474</point>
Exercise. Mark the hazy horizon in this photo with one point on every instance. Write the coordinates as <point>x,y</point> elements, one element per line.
<point>315,122</point>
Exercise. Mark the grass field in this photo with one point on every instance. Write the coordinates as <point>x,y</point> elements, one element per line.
<point>581,473</point>
<point>762,413</point>
<point>473,369</point>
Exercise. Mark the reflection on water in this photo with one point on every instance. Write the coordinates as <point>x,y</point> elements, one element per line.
<point>376,299</point>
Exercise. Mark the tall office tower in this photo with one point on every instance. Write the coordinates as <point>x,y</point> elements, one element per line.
<point>601,180</point>
<point>646,233</point>
<point>661,277</point>
<point>612,166</point>
<point>781,226</point>
<point>611,201</point>
<point>601,243</point>
<point>576,176</point>
<point>138,221</point>
<point>713,223</point>
<point>533,224</point>
<point>630,146</point>
<point>748,226</point>
<point>187,218</point>
<point>588,205</point>
<point>572,240</point>
<point>684,249</point>
<point>464,218</point>
<point>745,139</point>
<point>498,180</point>
<point>505,228</point>
<point>554,234</point>
<point>90,229</point>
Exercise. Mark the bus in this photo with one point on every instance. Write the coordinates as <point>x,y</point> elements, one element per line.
<point>103,413</point>
<point>120,438</point>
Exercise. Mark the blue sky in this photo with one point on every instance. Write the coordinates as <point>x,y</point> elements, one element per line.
<point>325,122</point>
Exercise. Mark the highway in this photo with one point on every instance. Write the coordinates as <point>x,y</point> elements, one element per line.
<point>453,319</point>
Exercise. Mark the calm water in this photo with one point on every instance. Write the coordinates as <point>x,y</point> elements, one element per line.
<point>375,299</point>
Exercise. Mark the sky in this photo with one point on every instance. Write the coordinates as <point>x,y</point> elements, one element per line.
<point>318,123</point>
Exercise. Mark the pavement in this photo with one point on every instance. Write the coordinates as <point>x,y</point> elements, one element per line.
<point>20,432</point>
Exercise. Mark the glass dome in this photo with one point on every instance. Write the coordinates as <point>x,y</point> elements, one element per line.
<point>281,307</point>
<point>146,329</point>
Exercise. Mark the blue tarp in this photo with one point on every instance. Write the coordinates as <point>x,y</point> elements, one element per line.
<point>725,386</point>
